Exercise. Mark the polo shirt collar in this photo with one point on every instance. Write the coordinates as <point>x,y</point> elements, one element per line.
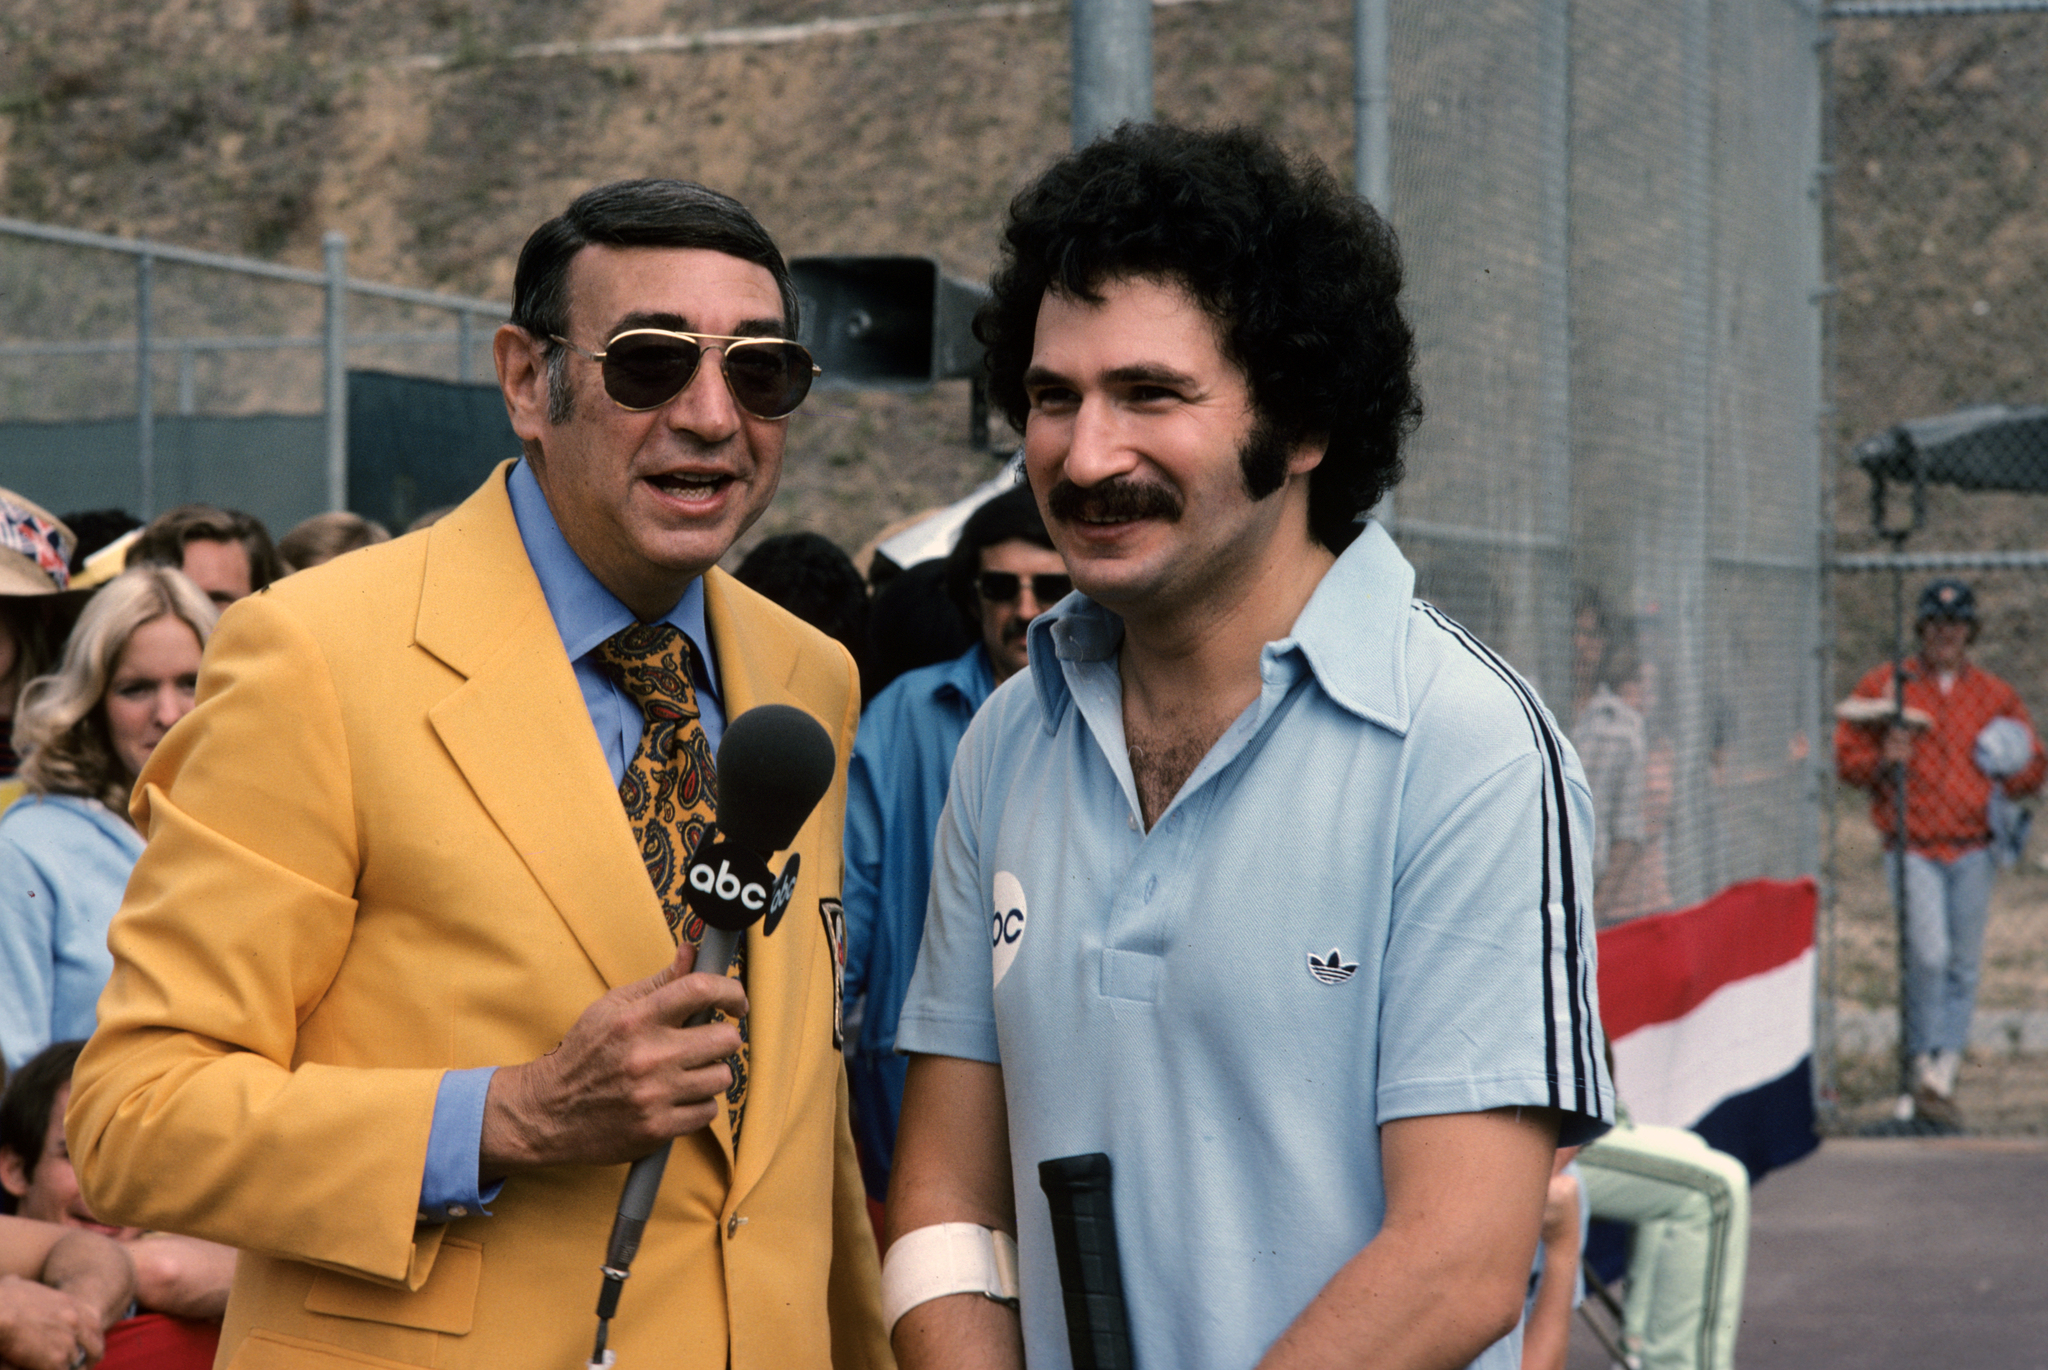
<point>1353,631</point>
<point>1352,635</point>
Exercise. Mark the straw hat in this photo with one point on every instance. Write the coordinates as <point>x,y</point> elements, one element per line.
<point>35,549</point>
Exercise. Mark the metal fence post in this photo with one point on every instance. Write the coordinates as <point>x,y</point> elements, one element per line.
<point>1112,59</point>
<point>1371,135</point>
<point>145,401</point>
<point>334,245</point>
<point>1372,140</point>
<point>464,344</point>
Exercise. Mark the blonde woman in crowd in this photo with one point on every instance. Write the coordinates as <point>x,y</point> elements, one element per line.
<point>66,847</point>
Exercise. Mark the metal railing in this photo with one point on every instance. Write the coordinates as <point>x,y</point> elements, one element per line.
<point>334,340</point>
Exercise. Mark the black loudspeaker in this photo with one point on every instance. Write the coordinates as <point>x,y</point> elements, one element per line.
<point>890,323</point>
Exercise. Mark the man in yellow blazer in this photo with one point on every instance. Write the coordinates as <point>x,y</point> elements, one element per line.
<point>394,996</point>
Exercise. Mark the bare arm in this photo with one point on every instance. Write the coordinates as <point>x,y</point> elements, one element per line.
<point>59,1288</point>
<point>953,1166</point>
<point>95,1271</point>
<point>1444,1279</point>
<point>628,1077</point>
<point>182,1275</point>
<point>1622,855</point>
<point>1547,1338</point>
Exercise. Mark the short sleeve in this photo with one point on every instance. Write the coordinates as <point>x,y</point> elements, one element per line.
<point>1488,986</point>
<point>950,1007</point>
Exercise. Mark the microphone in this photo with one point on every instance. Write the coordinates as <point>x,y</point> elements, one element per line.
<point>775,763</point>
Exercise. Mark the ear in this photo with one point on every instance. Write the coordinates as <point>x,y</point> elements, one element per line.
<point>13,1174</point>
<point>1307,454</point>
<point>523,377</point>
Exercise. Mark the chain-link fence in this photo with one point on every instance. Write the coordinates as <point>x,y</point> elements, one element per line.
<point>1939,242</point>
<point>1609,210</point>
<point>142,375</point>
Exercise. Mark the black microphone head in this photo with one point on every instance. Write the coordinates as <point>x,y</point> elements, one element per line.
<point>775,763</point>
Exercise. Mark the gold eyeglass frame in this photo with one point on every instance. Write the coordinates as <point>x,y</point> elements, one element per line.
<point>700,339</point>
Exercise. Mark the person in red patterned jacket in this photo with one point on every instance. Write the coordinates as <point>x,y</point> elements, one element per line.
<point>1957,756</point>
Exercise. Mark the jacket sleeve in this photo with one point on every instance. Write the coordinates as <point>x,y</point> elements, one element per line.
<point>1858,759</point>
<point>192,1108</point>
<point>2029,779</point>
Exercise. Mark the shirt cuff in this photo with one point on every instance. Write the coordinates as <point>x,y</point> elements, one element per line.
<point>451,1187</point>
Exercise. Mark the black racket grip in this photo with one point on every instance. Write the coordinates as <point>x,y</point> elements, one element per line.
<point>1091,1279</point>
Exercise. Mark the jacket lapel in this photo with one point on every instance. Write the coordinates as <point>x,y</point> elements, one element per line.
<point>757,655</point>
<point>518,730</point>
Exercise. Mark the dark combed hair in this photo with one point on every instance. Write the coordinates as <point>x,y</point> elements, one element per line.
<point>812,577</point>
<point>1301,277</point>
<point>647,213</point>
<point>162,542</point>
<point>31,1094</point>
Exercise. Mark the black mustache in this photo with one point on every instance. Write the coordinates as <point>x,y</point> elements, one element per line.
<point>1117,498</point>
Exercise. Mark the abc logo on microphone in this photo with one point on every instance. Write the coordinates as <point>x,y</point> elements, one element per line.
<point>731,887</point>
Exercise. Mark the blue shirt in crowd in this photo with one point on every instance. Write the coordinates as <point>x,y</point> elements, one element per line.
<point>895,788</point>
<point>64,864</point>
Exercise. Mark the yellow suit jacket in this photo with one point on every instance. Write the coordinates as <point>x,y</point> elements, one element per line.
<point>384,845</point>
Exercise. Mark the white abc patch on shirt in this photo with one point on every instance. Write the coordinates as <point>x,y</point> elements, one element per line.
<point>1005,924</point>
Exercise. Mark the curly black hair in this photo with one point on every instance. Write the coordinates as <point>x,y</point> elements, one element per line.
<point>1301,277</point>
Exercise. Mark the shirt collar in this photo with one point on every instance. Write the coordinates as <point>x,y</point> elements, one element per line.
<point>969,675</point>
<point>1351,635</point>
<point>585,612</point>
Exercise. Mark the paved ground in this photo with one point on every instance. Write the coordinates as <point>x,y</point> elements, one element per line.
<point>1896,1255</point>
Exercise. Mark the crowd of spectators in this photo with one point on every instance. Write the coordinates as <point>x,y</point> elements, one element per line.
<point>103,621</point>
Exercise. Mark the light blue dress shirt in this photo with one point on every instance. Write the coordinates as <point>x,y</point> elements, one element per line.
<point>895,788</point>
<point>585,614</point>
<point>64,862</point>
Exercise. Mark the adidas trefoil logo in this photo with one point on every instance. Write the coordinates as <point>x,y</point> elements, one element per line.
<point>1334,970</point>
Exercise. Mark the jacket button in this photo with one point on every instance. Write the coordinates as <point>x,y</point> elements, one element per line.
<point>733,1226</point>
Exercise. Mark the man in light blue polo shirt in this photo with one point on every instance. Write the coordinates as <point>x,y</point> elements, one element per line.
<point>1265,880</point>
<point>1002,573</point>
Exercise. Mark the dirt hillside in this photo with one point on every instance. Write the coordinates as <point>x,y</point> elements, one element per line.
<point>418,129</point>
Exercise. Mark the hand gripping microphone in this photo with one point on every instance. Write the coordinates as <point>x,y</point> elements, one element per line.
<point>774,764</point>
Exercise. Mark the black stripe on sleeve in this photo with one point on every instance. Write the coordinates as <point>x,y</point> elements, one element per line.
<point>1584,1050</point>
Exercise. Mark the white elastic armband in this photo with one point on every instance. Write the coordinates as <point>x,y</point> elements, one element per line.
<point>947,1258</point>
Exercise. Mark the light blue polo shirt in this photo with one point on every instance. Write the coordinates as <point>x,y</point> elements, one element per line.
<point>1372,900</point>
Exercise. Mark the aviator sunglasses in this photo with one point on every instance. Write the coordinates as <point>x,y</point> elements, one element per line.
<point>1000,587</point>
<point>645,368</point>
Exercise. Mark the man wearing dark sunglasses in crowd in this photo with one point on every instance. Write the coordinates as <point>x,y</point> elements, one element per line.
<point>404,976</point>
<point>1272,884</point>
<point>1002,573</point>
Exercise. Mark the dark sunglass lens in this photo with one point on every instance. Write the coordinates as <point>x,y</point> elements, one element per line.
<point>998,587</point>
<point>1050,589</point>
<point>769,379</point>
<point>646,372</point>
